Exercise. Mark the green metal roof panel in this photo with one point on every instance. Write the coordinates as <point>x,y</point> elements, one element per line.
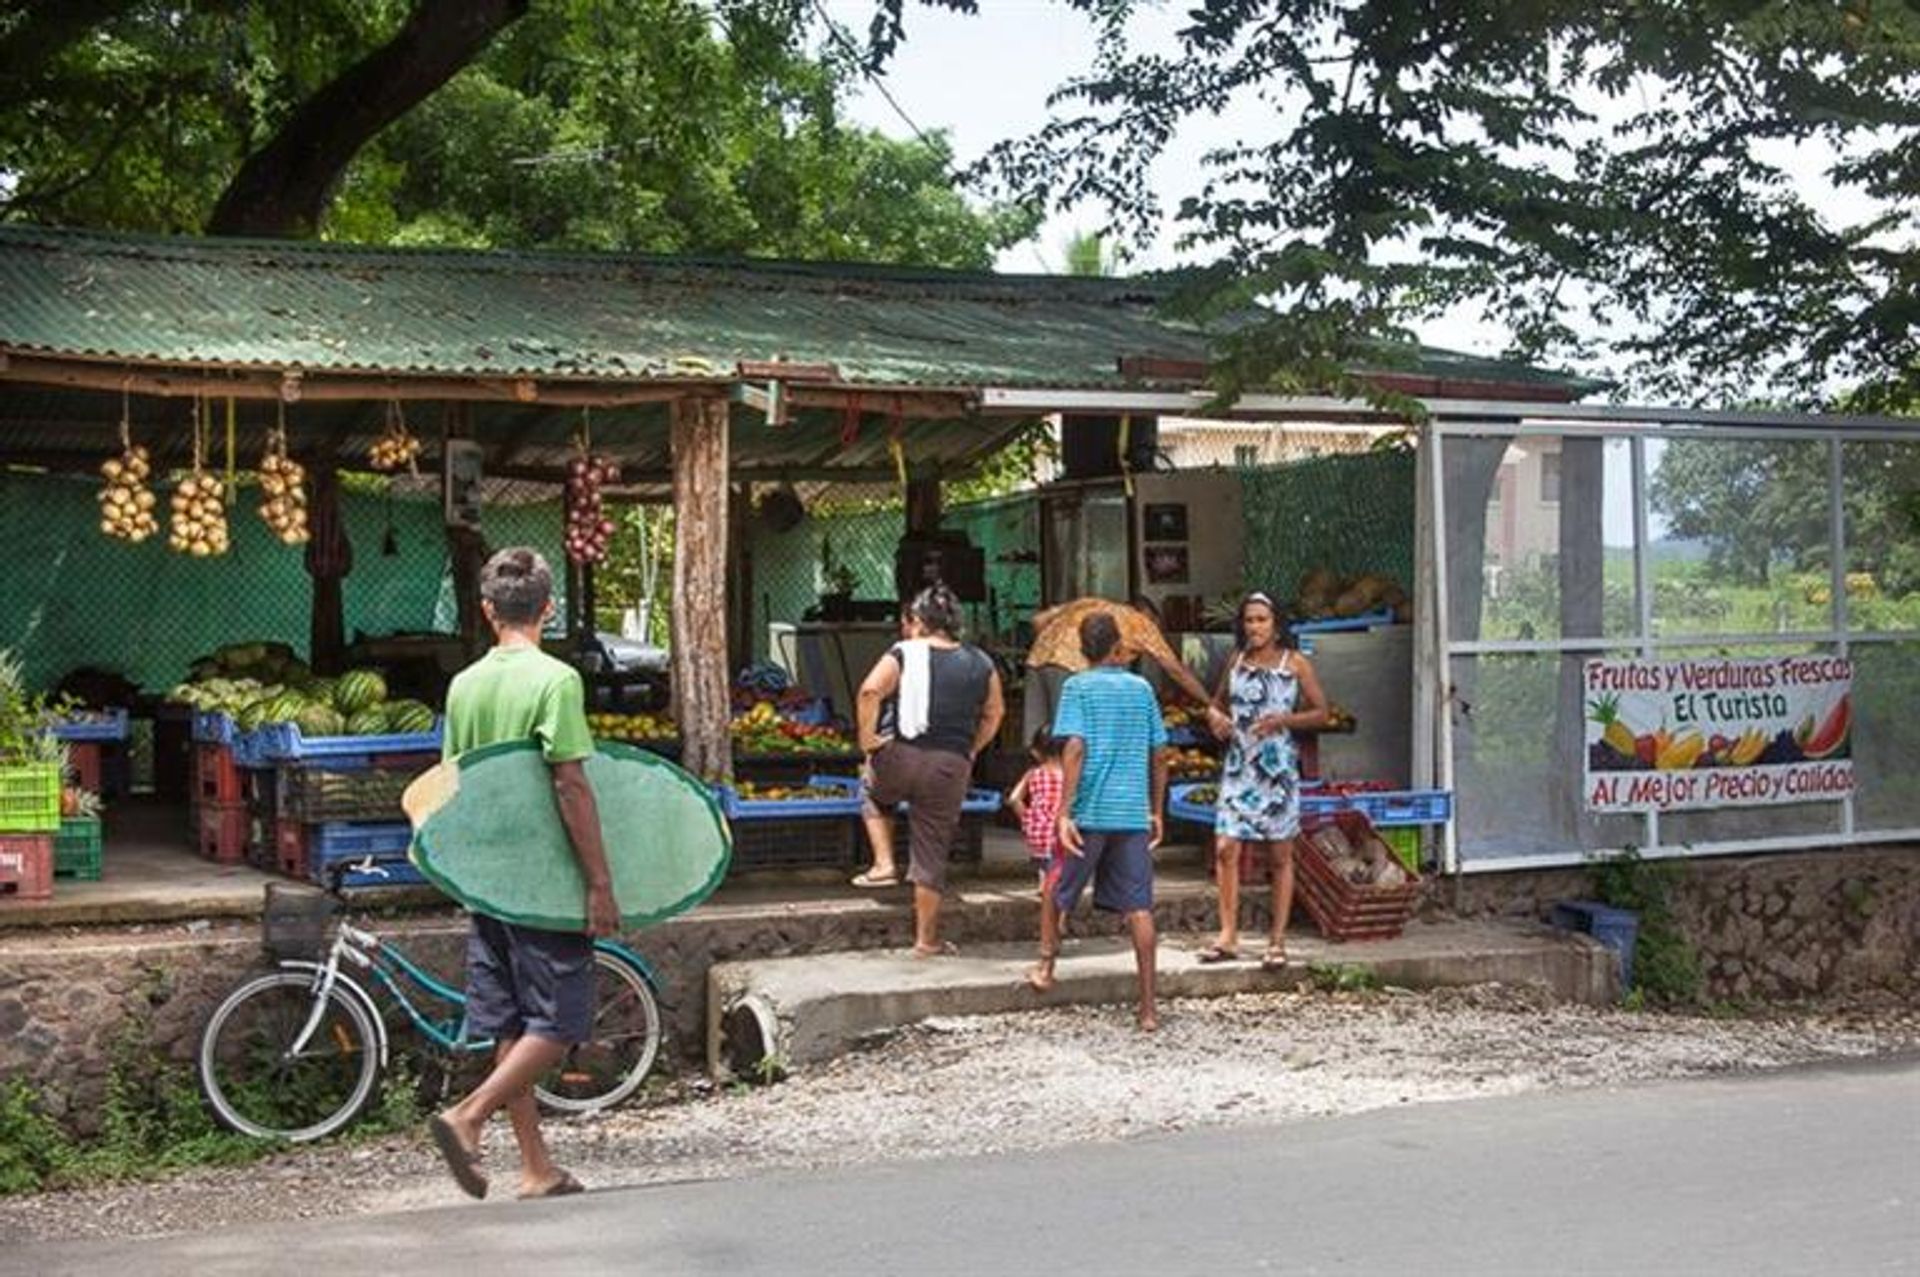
<point>606,317</point>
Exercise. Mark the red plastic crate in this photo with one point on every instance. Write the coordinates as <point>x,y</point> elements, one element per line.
<point>290,848</point>
<point>216,777</point>
<point>84,763</point>
<point>26,866</point>
<point>1343,910</point>
<point>223,832</point>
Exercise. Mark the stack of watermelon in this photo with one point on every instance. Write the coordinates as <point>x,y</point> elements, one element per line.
<point>354,704</point>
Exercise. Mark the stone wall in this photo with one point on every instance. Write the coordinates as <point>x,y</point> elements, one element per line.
<point>67,1001</point>
<point>1786,925</point>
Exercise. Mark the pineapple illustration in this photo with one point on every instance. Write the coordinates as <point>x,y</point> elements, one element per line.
<point>1617,735</point>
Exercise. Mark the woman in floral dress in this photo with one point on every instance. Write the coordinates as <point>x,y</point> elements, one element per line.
<point>1270,691</point>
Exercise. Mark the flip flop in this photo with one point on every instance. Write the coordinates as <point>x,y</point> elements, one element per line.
<point>868,878</point>
<point>565,1186</point>
<point>1273,961</point>
<point>946,949</point>
<point>1215,953</point>
<point>462,1164</point>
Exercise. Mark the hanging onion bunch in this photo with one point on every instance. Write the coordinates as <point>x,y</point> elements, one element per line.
<point>283,492</point>
<point>397,447</point>
<point>126,502</point>
<point>199,516</point>
<point>589,531</point>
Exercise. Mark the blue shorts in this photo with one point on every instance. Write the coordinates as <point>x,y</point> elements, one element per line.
<point>1117,863</point>
<point>521,980</point>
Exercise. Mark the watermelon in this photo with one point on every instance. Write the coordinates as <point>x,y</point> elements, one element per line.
<point>357,690</point>
<point>371,721</point>
<point>320,720</point>
<point>409,716</point>
<point>253,713</point>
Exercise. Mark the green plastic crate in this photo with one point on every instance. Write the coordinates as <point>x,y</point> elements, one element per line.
<point>1404,841</point>
<point>30,798</point>
<point>76,849</point>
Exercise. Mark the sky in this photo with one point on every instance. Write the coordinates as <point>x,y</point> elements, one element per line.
<point>985,78</point>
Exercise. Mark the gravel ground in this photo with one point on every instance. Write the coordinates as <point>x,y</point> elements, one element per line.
<point>1028,1081</point>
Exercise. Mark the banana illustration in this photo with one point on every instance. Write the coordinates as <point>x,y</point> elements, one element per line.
<point>1752,743</point>
<point>1680,752</point>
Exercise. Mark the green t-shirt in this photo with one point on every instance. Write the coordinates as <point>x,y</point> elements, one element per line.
<point>518,693</point>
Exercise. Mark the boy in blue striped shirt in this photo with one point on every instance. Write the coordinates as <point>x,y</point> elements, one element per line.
<point>1110,802</point>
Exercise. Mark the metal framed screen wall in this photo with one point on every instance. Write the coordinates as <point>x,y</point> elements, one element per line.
<point>1567,534</point>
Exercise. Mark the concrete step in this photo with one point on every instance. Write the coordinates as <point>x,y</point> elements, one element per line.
<point>782,1014</point>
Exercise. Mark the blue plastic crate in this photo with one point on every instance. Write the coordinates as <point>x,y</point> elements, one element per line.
<point>284,743</point>
<point>381,871</point>
<point>211,727</point>
<point>978,802</point>
<point>1182,807</point>
<point>1618,929</point>
<point>113,728</point>
<point>1404,806</point>
<point>1335,624</point>
<point>738,808</point>
<point>340,840</point>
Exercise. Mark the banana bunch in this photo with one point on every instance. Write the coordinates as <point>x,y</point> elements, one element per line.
<point>199,524</point>
<point>126,503</point>
<point>282,483</point>
<point>1746,747</point>
<point>1681,752</point>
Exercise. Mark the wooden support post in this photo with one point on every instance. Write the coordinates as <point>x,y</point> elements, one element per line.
<point>699,621</point>
<point>923,507</point>
<point>740,619</point>
<point>466,547</point>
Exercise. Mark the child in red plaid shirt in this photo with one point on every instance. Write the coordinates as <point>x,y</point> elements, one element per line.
<point>1036,800</point>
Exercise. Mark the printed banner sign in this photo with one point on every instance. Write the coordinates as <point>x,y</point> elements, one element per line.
<point>1663,735</point>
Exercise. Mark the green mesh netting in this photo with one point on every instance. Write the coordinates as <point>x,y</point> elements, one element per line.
<point>788,577</point>
<point>71,596</point>
<point>1008,534</point>
<point>1348,514</point>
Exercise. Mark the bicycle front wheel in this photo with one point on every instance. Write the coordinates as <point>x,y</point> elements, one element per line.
<point>625,1040</point>
<point>258,1085</point>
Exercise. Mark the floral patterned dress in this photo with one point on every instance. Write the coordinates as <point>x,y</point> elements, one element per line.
<point>1260,778</point>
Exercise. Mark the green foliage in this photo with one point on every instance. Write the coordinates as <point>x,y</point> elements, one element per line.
<point>1342,977</point>
<point>33,1149</point>
<point>1630,169</point>
<point>655,125</point>
<point>1666,968</point>
<point>1010,468</point>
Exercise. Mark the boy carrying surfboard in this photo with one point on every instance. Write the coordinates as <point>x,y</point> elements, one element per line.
<point>531,990</point>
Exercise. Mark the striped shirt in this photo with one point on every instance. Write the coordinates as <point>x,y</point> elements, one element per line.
<point>1117,718</point>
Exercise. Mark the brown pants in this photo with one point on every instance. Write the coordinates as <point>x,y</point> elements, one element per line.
<point>934,782</point>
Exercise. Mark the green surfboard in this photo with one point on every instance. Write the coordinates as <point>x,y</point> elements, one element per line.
<point>486,831</point>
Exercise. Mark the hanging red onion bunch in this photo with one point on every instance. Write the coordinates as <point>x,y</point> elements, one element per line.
<point>589,530</point>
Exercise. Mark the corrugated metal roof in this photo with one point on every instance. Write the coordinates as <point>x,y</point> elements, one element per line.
<point>605,317</point>
<point>280,304</point>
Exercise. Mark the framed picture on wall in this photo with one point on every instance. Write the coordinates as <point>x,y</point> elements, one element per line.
<point>1165,522</point>
<point>1166,564</point>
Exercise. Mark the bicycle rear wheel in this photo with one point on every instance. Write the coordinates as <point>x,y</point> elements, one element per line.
<point>610,1065</point>
<point>257,1086</point>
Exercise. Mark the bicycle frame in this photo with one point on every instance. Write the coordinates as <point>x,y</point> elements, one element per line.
<point>390,966</point>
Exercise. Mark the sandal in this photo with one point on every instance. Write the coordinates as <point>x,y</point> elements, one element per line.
<point>565,1186</point>
<point>1275,958</point>
<point>945,949</point>
<point>868,878</point>
<point>1216,953</point>
<point>463,1163</point>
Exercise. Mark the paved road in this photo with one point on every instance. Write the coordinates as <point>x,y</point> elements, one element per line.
<point>1814,1171</point>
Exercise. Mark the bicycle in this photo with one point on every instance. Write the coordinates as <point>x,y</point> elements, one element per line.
<point>295,1054</point>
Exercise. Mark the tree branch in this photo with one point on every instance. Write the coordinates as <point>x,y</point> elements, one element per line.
<point>282,188</point>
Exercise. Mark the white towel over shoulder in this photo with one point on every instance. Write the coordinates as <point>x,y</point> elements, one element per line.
<point>916,688</point>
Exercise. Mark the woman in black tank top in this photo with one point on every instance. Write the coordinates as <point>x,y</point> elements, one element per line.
<point>941,704</point>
